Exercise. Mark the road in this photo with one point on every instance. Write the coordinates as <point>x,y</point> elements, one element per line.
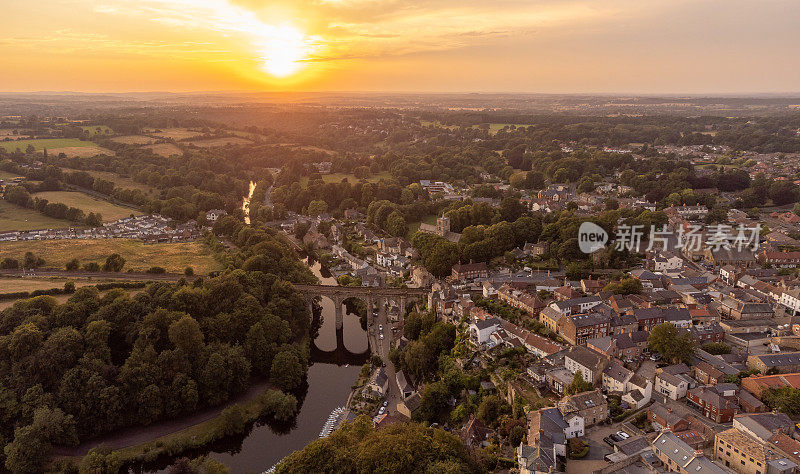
<point>382,347</point>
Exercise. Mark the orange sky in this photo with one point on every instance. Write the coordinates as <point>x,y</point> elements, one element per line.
<point>635,46</point>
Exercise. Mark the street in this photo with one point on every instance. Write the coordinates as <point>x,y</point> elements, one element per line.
<point>381,347</point>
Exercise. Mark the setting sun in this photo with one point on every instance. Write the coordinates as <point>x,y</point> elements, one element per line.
<point>284,50</point>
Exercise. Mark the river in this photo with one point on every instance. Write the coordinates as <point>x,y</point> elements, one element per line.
<point>246,202</point>
<point>328,387</point>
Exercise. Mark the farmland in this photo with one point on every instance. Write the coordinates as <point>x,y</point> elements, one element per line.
<point>42,143</point>
<point>338,177</point>
<point>81,151</point>
<point>138,255</point>
<point>14,285</point>
<point>215,142</point>
<point>13,217</point>
<point>7,175</point>
<point>176,133</point>
<point>134,140</point>
<point>87,204</point>
<point>120,181</point>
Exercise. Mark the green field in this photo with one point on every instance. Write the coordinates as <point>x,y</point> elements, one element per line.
<point>121,181</point>
<point>138,255</point>
<point>87,204</point>
<point>413,227</point>
<point>97,129</point>
<point>7,175</point>
<point>13,217</point>
<point>338,177</point>
<point>41,143</point>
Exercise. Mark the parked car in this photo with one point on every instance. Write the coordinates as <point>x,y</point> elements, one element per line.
<point>615,437</point>
<point>609,441</point>
<point>623,434</point>
<point>655,357</point>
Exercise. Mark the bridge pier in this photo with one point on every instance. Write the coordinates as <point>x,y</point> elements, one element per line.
<point>370,318</point>
<point>337,301</point>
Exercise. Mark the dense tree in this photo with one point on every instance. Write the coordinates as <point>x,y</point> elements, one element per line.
<point>357,447</point>
<point>114,263</point>
<point>578,384</point>
<point>286,371</point>
<point>673,345</point>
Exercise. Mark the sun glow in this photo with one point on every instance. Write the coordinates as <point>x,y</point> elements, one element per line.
<point>284,50</point>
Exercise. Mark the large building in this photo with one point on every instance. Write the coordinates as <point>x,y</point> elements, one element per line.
<point>586,361</point>
<point>757,384</point>
<point>591,406</point>
<point>677,456</point>
<point>579,328</point>
<point>784,362</point>
<point>469,271</point>
<point>753,446</point>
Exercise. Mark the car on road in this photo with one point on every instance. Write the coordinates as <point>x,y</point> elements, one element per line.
<point>623,434</point>
<point>380,327</point>
<point>382,411</point>
<point>386,403</point>
<point>381,336</point>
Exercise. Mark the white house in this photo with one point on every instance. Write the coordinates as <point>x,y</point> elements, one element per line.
<point>214,214</point>
<point>481,329</point>
<point>662,263</point>
<point>590,364</point>
<point>379,382</point>
<point>791,299</point>
<point>673,386</point>
<point>616,377</point>
<point>639,392</point>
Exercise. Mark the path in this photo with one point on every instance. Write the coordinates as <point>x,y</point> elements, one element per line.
<point>135,435</point>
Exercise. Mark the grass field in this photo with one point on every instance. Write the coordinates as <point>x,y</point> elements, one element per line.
<point>87,204</point>
<point>97,129</point>
<point>176,133</point>
<point>413,227</point>
<point>338,177</point>
<point>13,217</point>
<point>138,255</point>
<point>13,285</point>
<point>81,151</point>
<point>134,140</point>
<point>121,181</point>
<point>164,149</point>
<point>10,285</point>
<point>215,142</point>
<point>7,175</point>
<point>42,143</point>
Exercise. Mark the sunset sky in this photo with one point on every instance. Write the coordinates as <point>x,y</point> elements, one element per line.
<point>612,46</point>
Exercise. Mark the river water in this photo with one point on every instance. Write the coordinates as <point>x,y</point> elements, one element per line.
<point>246,202</point>
<point>329,386</point>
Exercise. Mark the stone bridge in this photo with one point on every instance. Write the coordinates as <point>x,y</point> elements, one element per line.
<point>369,295</point>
